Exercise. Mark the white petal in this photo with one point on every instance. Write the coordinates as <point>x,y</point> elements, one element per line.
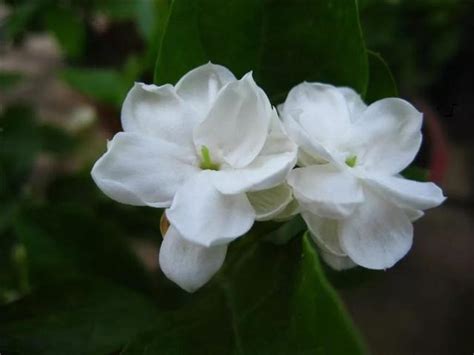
<point>205,216</point>
<point>324,232</point>
<point>310,150</point>
<point>159,112</point>
<point>140,170</point>
<point>408,193</point>
<point>387,136</point>
<point>187,264</point>
<point>270,167</point>
<point>270,203</point>
<point>236,127</point>
<point>321,110</point>
<point>200,86</point>
<point>338,263</point>
<point>353,100</point>
<point>378,233</point>
<point>291,210</point>
<point>326,190</point>
<point>413,215</point>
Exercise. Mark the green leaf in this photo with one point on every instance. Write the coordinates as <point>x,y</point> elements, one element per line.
<point>66,238</point>
<point>283,42</point>
<point>381,81</point>
<point>269,300</point>
<point>77,317</point>
<point>416,173</point>
<point>102,85</point>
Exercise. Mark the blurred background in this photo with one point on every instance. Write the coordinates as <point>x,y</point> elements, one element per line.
<point>65,67</point>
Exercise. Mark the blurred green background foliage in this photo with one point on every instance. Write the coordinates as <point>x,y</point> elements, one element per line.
<point>78,272</point>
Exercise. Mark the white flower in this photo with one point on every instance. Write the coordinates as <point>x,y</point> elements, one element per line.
<point>356,205</point>
<point>200,149</point>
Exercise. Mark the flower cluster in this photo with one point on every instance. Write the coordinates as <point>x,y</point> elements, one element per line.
<point>215,153</point>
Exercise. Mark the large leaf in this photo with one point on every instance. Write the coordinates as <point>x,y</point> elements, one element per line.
<point>270,300</point>
<point>66,238</point>
<point>381,81</point>
<point>283,42</point>
<point>76,317</point>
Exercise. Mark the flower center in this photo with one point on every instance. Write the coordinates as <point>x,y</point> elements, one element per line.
<point>206,161</point>
<point>351,160</point>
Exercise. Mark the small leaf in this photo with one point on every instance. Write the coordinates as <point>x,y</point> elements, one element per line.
<point>102,85</point>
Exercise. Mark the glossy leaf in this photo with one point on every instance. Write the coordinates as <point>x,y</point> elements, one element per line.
<point>381,81</point>
<point>76,317</point>
<point>270,300</point>
<point>283,42</point>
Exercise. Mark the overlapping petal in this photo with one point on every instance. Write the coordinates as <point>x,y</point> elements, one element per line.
<point>386,137</point>
<point>324,232</point>
<point>310,150</point>
<point>270,167</point>
<point>270,203</point>
<point>338,263</point>
<point>320,110</point>
<point>353,100</point>
<point>141,170</point>
<point>377,234</point>
<point>326,190</point>
<point>237,124</point>
<point>408,193</point>
<point>187,264</point>
<point>200,86</point>
<point>207,217</point>
<point>159,112</point>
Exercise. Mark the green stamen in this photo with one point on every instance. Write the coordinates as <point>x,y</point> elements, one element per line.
<point>351,160</point>
<point>206,162</point>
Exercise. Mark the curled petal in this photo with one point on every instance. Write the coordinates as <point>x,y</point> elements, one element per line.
<point>291,210</point>
<point>140,170</point>
<point>270,203</point>
<point>207,217</point>
<point>189,265</point>
<point>321,111</point>
<point>324,232</point>
<point>270,167</point>
<point>353,100</point>
<point>377,234</point>
<point>159,112</point>
<point>200,86</point>
<point>310,151</point>
<point>325,190</point>
<point>237,124</point>
<point>408,193</point>
<point>338,263</point>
